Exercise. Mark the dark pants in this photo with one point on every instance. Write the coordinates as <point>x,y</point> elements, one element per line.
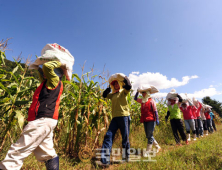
<point>149,128</point>
<point>196,127</point>
<point>122,123</point>
<point>200,126</point>
<point>209,126</point>
<point>205,124</point>
<point>214,126</point>
<point>177,125</point>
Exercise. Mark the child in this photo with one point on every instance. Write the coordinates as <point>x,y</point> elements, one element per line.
<point>188,119</point>
<point>204,121</point>
<point>175,116</point>
<point>199,124</point>
<point>212,120</point>
<point>121,86</point>
<point>149,116</point>
<point>37,136</point>
<point>209,123</point>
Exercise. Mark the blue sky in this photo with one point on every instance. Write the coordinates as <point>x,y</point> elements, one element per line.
<point>160,41</point>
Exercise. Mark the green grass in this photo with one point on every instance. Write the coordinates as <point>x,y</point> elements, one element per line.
<point>205,153</point>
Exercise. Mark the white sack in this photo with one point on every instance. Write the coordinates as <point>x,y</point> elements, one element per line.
<point>119,77</point>
<point>55,52</point>
<point>172,94</point>
<point>150,88</point>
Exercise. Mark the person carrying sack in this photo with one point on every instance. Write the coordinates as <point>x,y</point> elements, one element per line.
<point>120,85</point>
<point>208,119</point>
<point>204,121</point>
<point>212,120</point>
<point>198,123</point>
<point>149,115</point>
<point>188,119</point>
<point>37,135</point>
<point>175,116</point>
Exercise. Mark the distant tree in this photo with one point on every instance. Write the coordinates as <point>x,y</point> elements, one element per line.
<point>217,106</point>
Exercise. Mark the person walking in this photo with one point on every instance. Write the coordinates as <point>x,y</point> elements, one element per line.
<point>120,85</point>
<point>212,120</point>
<point>37,135</point>
<point>149,116</point>
<point>188,119</point>
<point>174,103</point>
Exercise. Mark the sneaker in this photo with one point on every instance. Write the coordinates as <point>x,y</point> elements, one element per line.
<point>146,154</point>
<point>158,149</point>
<point>187,143</point>
<point>99,163</point>
<point>178,144</point>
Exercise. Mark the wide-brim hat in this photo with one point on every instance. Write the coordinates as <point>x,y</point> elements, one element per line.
<point>150,88</point>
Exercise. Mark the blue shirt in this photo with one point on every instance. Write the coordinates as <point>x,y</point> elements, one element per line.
<point>211,115</point>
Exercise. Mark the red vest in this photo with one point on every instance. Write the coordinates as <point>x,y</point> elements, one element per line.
<point>147,113</point>
<point>45,102</point>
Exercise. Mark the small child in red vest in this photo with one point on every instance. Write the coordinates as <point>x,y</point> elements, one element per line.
<point>37,136</point>
<point>149,117</point>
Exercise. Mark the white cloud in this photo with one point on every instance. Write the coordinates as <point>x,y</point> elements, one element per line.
<point>162,82</point>
<point>197,94</point>
<point>135,72</point>
<point>159,95</point>
<point>158,80</point>
<point>205,92</point>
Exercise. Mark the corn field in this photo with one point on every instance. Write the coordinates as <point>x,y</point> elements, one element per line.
<point>84,115</point>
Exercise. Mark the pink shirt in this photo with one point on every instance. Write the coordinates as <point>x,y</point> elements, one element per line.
<point>187,112</point>
<point>194,109</point>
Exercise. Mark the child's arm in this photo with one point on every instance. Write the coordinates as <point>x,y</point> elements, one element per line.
<point>41,75</point>
<point>48,70</point>
<point>106,92</point>
<point>153,104</point>
<point>180,100</point>
<point>136,98</point>
<point>168,114</point>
